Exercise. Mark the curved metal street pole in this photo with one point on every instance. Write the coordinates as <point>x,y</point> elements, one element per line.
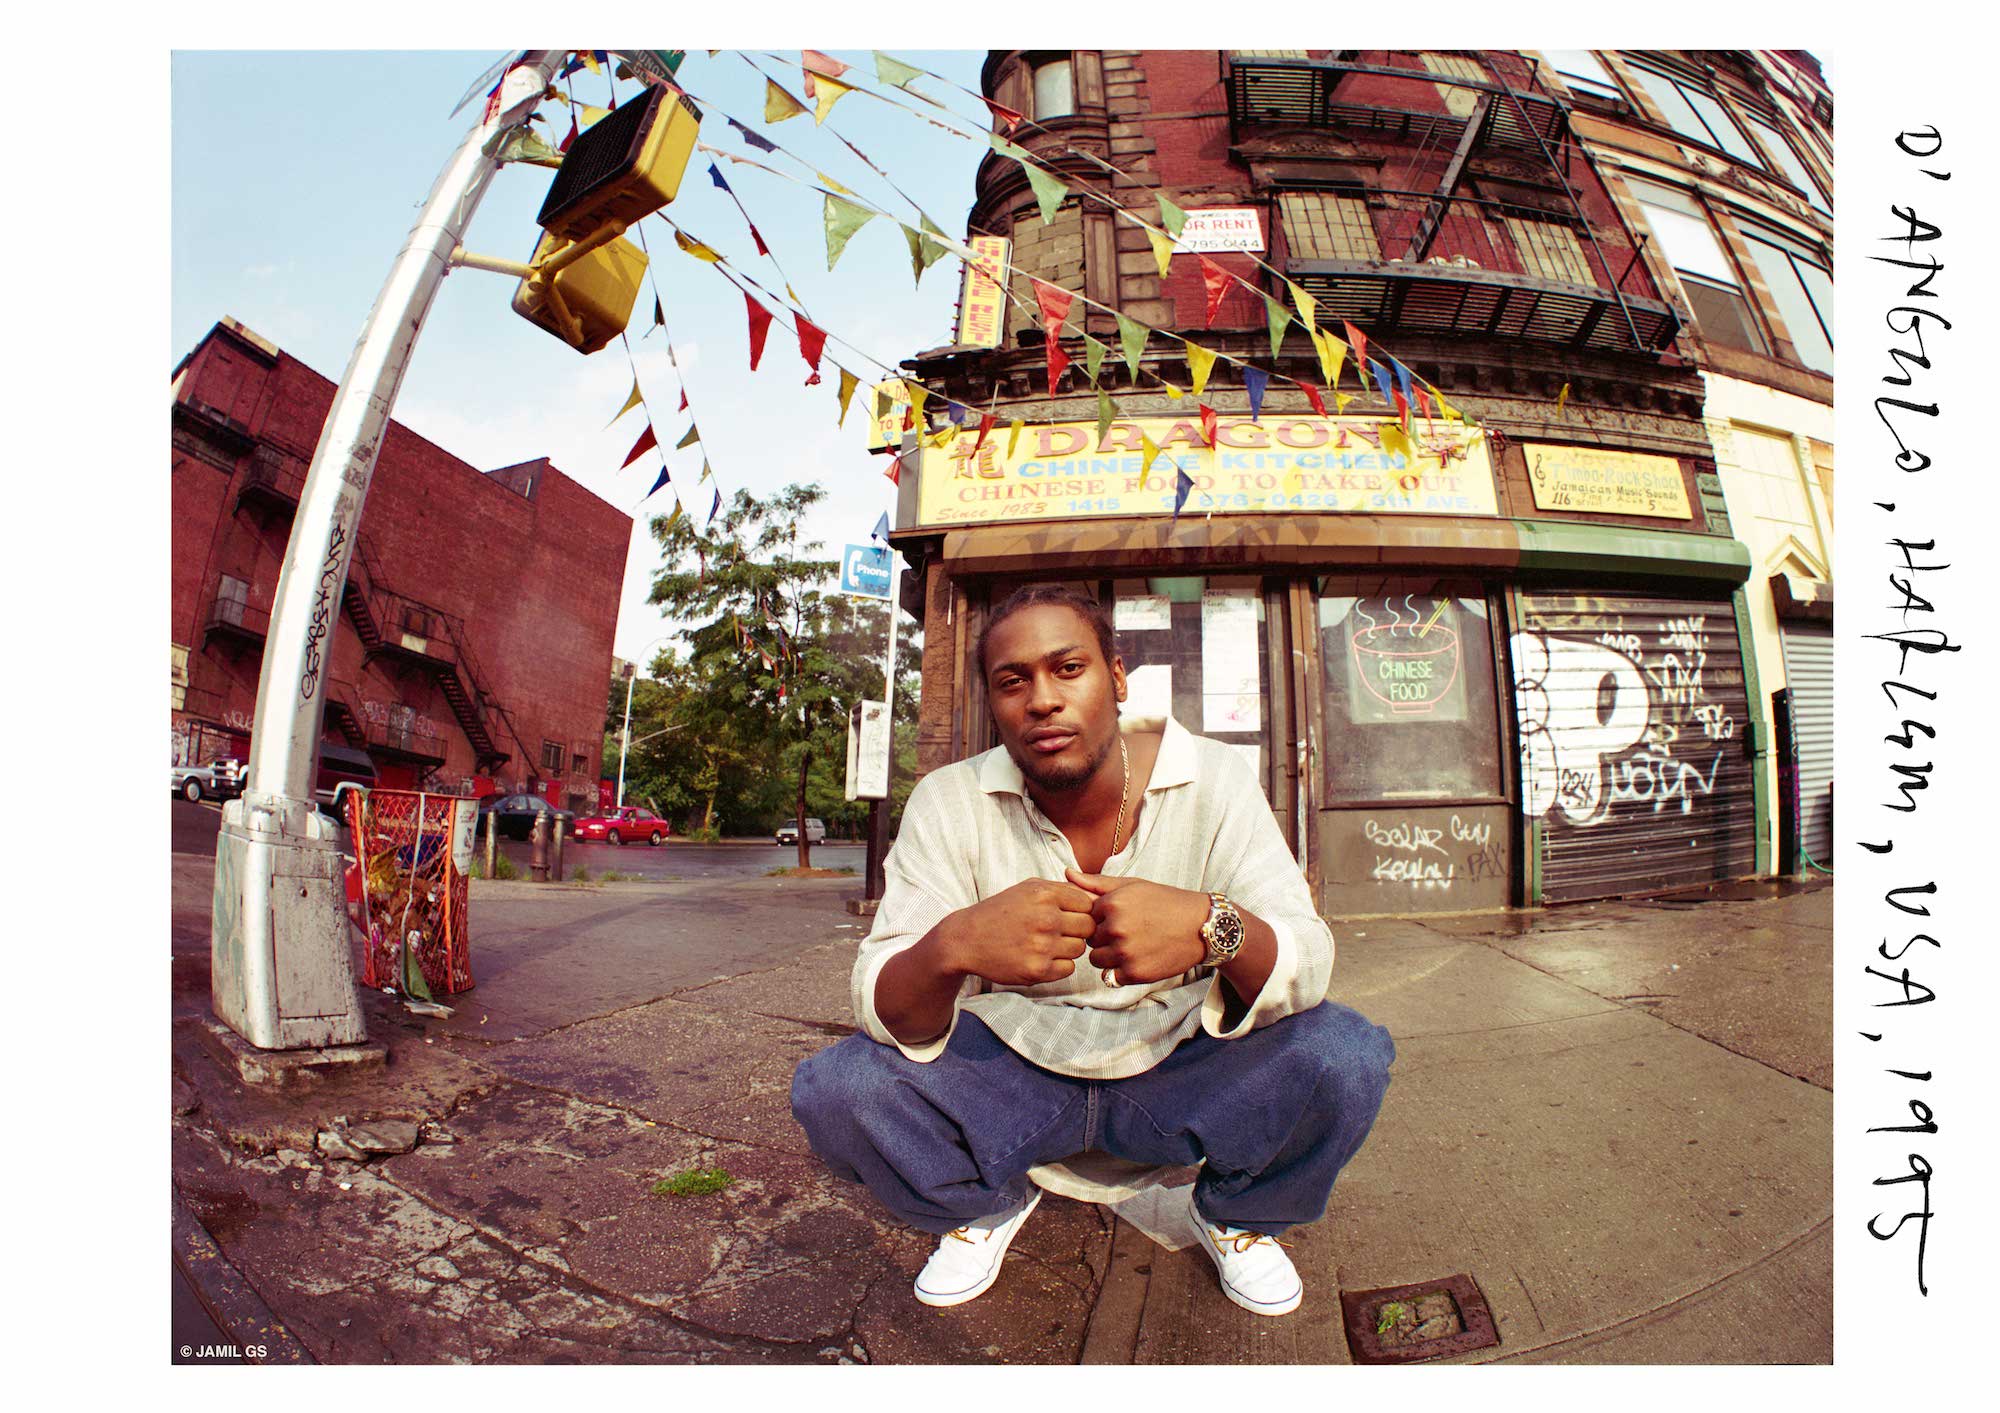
<point>282,974</point>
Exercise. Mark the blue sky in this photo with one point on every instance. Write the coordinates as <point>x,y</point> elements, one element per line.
<point>297,175</point>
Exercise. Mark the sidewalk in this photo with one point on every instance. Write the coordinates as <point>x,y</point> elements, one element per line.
<point>1615,1119</point>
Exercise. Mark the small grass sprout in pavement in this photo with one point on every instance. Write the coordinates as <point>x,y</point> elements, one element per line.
<point>695,1182</point>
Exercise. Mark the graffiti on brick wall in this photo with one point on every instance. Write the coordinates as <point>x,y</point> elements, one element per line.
<point>1649,737</point>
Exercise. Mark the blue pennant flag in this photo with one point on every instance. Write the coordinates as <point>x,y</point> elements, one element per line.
<point>1255,380</point>
<point>1381,376</point>
<point>713,508</point>
<point>715,175</point>
<point>664,478</point>
<point>956,413</point>
<point>881,530</point>
<point>1402,378</point>
<point>1183,483</point>
<point>755,140</point>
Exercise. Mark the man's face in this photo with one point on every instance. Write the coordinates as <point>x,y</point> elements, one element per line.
<point>1053,697</point>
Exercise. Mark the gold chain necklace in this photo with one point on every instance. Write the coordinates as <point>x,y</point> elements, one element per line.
<point>1124,791</point>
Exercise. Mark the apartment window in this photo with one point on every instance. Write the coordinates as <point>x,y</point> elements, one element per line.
<point>1270,53</point>
<point>1802,288</point>
<point>1581,70</point>
<point>1550,250</point>
<point>1787,161</point>
<point>1327,225</point>
<point>1695,114</point>
<point>1055,90</point>
<point>576,763</point>
<point>552,756</point>
<point>1715,295</point>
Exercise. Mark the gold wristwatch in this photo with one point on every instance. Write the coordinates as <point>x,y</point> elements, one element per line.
<point>1223,932</point>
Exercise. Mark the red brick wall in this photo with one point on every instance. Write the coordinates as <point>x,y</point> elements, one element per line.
<point>535,582</point>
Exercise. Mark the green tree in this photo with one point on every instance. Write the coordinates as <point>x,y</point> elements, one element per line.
<point>774,659</point>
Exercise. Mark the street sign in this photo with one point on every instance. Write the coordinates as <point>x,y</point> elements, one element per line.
<point>868,751</point>
<point>864,570</point>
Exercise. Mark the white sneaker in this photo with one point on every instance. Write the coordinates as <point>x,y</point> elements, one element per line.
<point>968,1260</point>
<point>1256,1273</point>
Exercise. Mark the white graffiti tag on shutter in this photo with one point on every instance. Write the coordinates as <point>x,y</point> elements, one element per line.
<point>1582,704</point>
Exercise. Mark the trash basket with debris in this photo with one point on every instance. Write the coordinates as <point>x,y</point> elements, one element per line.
<point>414,850</point>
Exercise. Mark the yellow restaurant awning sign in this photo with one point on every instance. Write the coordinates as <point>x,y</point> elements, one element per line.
<point>1059,472</point>
<point>1588,478</point>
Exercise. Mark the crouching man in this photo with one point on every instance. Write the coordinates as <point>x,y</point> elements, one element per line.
<point>1094,954</point>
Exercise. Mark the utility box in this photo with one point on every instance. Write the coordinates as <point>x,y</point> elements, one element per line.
<point>599,290</point>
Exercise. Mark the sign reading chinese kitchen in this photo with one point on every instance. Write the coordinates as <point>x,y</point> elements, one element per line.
<point>981,306</point>
<point>1617,482</point>
<point>1222,228</point>
<point>1059,471</point>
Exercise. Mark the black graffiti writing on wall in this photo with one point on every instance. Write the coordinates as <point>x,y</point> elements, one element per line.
<point>323,608</point>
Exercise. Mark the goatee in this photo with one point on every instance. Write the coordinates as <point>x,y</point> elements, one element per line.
<point>1062,778</point>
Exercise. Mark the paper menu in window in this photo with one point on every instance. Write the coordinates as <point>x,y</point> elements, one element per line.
<point>1142,613</point>
<point>1229,644</point>
<point>1149,691</point>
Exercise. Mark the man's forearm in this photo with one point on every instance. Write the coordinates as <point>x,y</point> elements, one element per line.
<point>1250,968</point>
<point>917,988</point>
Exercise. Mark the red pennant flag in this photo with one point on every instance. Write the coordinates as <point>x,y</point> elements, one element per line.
<point>1312,395</point>
<point>895,471</point>
<point>815,62</point>
<point>1208,423</point>
<point>646,442</point>
<point>1009,119</point>
<point>569,137</point>
<point>812,343</point>
<point>684,401</point>
<point>1055,302</point>
<point>1423,402</point>
<point>760,325</point>
<point>985,426</point>
<point>1217,280</point>
<point>1358,341</point>
<point>762,249</point>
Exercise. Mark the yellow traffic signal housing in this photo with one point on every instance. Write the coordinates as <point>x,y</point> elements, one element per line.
<point>583,299</point>
<point>627,166</point>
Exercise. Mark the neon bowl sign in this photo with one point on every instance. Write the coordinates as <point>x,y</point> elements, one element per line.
<point>1407,669</point>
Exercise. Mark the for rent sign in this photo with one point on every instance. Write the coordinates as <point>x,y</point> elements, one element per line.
<point>1060,471</point>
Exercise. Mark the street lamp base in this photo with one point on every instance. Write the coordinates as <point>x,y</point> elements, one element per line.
<point>282,973</point>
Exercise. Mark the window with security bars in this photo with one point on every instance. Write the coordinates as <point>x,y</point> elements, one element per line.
<point>1459,101</point>
<point>552,756</point>
<point>1550,250</point>
<point>1327,225</point>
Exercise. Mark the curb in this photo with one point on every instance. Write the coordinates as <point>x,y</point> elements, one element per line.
<point>237,1309</point>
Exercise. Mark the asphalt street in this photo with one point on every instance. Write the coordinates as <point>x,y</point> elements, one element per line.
<point>194,827</point>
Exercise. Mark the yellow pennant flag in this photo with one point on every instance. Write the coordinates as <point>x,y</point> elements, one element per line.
<point>1561,398</point>
<point>1304,303</point>
<point>827,92</point>
<point>1149,450</point>
<point>918,393</point>
<point>590,115</point>
<point>1332,353</point>
<point>779,105</point>
<point>630,402</point>
<point>1395,440</point>
<point>1200,361</point>
<point>705,472</point>
<point>1173,392</point>
<point>1445,409</point>
<point>1013,436</point>
<point>1340,401</point>
<point>848,382</point>
<point>677,513</point>
<point>828,181</point>
<point>590,61</point>
<point>1163,247</point>
<point>695,248</point>
<point>946,431</point>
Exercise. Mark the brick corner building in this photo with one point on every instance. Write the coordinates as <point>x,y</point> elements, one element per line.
<point>474,641</point>
<point>1520,664</point>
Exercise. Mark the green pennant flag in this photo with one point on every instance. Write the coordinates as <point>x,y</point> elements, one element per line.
<point>1105,412</point>
<point>1049,189</point>
<point>779,105</point>
<point>843,219</point>
<point>882,404</point>
<point>1093,358</point>
<point>693,436</point>
<point>1132,336</point>
<point>893,72</point>
<point>1008,149</point>
<point>1279,317</point>
<point>1172,217</point>
<point>848,382</point>
<point>630,402</point>
<point>924,252</point>
<point>1163,248</point>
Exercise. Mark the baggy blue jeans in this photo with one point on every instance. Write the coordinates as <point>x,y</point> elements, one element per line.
<point>1271,1116</point>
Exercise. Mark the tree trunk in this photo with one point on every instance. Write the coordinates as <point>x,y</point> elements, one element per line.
<point>805,843</point>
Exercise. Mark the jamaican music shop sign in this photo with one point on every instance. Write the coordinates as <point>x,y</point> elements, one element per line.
<point>1616,482</point>
<point>1061,471</point>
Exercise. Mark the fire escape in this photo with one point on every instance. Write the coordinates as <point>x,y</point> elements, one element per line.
<point>403,632</point>
<point>1448,262</point>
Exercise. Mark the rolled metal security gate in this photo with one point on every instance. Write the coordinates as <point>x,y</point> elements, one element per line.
<point>1634,730</point>
<point>1809,673</point>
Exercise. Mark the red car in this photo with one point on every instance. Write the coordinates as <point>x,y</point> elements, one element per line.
<point>623,826</point>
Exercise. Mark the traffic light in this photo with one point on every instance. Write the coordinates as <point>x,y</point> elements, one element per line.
<point>628,165</point>
<point>585,300</point>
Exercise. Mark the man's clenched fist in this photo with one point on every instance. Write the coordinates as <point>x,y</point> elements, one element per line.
<point>1024,936</point>
<point>1146,931</point>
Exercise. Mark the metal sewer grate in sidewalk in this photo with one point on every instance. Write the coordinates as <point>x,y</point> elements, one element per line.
<point>1405,1324</point>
